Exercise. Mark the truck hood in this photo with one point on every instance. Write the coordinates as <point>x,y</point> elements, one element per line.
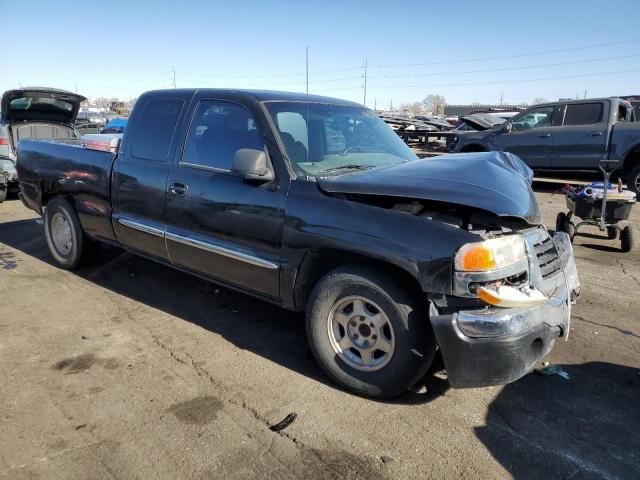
<point>497,182</point>
<point>482,121</point>
<point>38,104</point>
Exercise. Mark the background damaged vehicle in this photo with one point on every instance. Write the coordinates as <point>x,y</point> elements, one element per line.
<point>566,137</point>
<point>315,204</point>
<point>34,113</point>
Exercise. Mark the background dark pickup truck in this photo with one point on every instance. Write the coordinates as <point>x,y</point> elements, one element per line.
<point>317,205</point>
<point>567,136</point>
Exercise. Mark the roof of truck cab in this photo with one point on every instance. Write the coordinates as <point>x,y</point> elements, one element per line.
<point>263,95</point>
<point>580,100</point>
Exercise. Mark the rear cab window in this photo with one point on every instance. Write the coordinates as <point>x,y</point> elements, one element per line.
<point>583,114</point>
<point>156,128</point>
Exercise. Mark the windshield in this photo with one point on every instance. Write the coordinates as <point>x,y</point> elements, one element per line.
<point>324,139</point>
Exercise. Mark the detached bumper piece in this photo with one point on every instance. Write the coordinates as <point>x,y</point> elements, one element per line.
<point>500,344</point>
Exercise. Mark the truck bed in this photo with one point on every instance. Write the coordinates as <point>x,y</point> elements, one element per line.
<point>81,173</point>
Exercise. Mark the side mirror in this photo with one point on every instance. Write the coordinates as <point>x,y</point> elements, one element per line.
<point>506,127</point>
<point>252,165</point>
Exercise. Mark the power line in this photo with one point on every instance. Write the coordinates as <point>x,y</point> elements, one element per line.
<point>506,69</point>
<point>501,57</point>
<point>504,82</point>
<point>262,84</point>
<point>280,75</point>
<point>366,62</point>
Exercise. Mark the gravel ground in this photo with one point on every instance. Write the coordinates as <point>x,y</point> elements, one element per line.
<point>128,369</point>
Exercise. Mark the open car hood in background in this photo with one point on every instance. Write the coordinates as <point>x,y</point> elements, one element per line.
<point>497,182</point>
<point>40,104</point>
<point>482,121</point>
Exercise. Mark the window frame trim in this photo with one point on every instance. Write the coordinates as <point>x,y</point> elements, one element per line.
<point>207,168</point>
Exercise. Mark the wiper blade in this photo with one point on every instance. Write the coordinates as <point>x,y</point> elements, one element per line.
<point>348,167</point>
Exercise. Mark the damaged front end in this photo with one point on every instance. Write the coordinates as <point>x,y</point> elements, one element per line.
<point>511,293</point>
<point>523,305</point>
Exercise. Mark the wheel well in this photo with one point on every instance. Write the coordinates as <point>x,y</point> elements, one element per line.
<point>473,147</point>
<point>48,196</point>
<point>317,263</point>
<point>632,160</point>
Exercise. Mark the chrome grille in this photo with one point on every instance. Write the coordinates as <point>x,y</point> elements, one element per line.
<point>547,256</point>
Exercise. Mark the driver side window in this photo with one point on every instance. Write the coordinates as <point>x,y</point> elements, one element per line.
<point>535,118</point>
<point>218,130</point>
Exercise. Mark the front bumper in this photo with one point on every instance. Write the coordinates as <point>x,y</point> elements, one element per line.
<point>494,346</point>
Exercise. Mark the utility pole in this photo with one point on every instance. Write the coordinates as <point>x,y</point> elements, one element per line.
<point>307,67</point>
<point>76,84</point>
<point>366,63</point>
<point>585,93</point>
<point>391,105</point>
<point>173,70</point>
<point>501,98</point>
<point>375,104</point>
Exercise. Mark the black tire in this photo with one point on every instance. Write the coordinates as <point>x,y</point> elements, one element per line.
<point>633,180</point>
<point>612,233</point>
<point>561,222</point>
<point>627,239</point>
<point>405,312</point>
<point>81,249</point>
<point>571,230</point>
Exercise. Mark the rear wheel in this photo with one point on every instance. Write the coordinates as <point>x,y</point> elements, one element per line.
<point>633,180</point>
<point>612,233</point>
<point>627,239</point>
<point>67,243</point>
<point>368,333</point>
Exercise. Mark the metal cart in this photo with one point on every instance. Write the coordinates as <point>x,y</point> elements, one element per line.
<point>602,213</point>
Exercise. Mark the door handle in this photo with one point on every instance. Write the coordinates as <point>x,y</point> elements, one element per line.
<point>544,135</point>
<point>178,189</point>
<point>595,134</point>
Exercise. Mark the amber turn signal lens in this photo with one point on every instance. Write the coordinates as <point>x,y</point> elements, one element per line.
<point>489,297</point>
<point>478,257</point>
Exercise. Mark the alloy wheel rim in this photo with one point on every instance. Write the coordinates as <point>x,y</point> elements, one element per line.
<point>61,234</point>
<point>361,333</point>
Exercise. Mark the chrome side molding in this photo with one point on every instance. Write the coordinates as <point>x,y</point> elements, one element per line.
<point>141,227</point>
<point>210,247</point>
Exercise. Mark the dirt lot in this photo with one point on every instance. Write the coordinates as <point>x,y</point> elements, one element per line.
<point>129,369</point>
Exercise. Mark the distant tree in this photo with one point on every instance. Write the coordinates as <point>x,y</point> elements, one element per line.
<point>105,103</point>
<point>414,108</point>
<point>434,103</point>
<point>538,100</point>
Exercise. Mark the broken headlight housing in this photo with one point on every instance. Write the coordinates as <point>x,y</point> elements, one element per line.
<point>493,254</point>
<point>497,272</point>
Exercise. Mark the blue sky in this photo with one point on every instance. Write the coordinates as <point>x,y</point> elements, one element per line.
<point>467,51</point>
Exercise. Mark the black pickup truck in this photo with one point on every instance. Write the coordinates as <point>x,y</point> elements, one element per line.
<point>566,137</point>
<point>315,204</point>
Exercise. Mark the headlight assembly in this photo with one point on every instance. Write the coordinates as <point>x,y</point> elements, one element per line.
<point>493,254</point>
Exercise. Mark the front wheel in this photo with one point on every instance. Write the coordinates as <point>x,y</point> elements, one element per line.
<point>66,241</point>
<point>368,333</point>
